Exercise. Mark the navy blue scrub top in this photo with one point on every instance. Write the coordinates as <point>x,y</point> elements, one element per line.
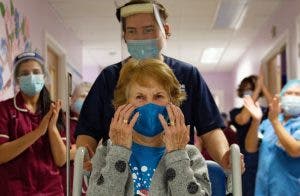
<point>199,109</point>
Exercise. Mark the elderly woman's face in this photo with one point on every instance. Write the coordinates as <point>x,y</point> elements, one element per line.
<point>154,93</point>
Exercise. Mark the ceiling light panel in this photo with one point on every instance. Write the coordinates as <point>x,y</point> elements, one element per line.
<point>230,14</point>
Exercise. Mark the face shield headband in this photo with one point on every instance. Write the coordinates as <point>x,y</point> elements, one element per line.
<point>143,9</point>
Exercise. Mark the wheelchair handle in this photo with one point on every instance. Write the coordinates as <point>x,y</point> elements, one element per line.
<point>236,170</point>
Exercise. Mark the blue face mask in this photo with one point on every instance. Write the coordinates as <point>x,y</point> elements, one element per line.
<point>143,49</point>
<point>291,105</point>
<point>148,123</point>
<point>31,84</point>
<point>77,105</point>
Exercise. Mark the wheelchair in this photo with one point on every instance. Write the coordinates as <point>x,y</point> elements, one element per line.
<point>222,183</point>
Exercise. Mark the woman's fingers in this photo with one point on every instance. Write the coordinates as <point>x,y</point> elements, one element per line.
<point>179,119</point>
<point>176,135</point>
<point>127,113</point>
<point>133,120</point>
<point>163,122</point>
<point>179,116</point>
<point>56,109</point>
<point>182,120</point>
<point>50,112</point>
<point>117,113</point>
<point>123,113</point>
<point>178,130</point>
<point>171,115</point>
<point>120,128</point>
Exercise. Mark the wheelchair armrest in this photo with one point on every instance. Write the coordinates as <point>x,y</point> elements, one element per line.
<point>81,154</point>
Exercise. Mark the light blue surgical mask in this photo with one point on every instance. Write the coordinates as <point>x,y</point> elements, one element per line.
<point>248,92</point>
<point>77,105</point>
<point>32,84</point>
<point>291,105</point>
<point>143,49</point>
<point>148,123</point>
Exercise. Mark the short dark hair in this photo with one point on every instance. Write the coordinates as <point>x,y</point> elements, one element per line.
<point>250,80</point>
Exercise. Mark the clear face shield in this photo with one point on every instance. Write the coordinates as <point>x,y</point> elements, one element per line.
<point>143,31</point>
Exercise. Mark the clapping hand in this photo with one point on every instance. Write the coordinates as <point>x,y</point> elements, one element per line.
<point>55,107</point>
<point>42,128</point>
<point>253,108</point>
<point>274,108</point>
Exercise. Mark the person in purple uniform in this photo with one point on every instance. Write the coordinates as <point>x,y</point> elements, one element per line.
<point>31,147</point>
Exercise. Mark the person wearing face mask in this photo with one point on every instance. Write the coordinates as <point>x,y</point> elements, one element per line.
<point>148,151</point>
<point>279,149</point>
<point>31,148</point>
<point>145,32</point>
<point>79,94</point>
<point>240,118</point>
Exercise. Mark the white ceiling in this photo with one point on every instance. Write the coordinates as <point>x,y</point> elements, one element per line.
<point>191,21</point>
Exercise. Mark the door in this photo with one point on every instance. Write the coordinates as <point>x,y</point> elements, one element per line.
<point>52,61</point>
<point>277,72</point>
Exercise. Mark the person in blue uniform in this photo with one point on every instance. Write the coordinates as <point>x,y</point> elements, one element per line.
<point>279,151</point>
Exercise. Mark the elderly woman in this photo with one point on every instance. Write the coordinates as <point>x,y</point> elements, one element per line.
<point>279,152</point>
<point>147,153</point>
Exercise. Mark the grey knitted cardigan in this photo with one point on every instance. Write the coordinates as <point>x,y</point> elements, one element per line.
<point>179,173</point>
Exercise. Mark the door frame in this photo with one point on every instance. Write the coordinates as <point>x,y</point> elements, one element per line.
<point>274,49</point>
<point>61,69</point>
<point>298,46</point>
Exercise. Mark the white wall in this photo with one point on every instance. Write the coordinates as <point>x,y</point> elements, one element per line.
<point>284,19</point>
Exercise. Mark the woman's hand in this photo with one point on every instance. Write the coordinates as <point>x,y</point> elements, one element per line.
<point>253,108</point>
<point>120,131</point>
<point>42,128</point>
<point>274,109</point>
<point>226,162</point>
<point>176,134</point>
<point>56,106</point>
<point>87,163</point>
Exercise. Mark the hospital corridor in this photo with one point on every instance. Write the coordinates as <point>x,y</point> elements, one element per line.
<point>150,97</point>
